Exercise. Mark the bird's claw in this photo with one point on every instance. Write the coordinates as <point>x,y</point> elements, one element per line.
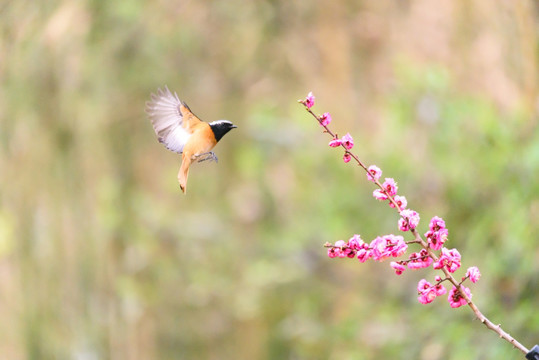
<point>207,156</point>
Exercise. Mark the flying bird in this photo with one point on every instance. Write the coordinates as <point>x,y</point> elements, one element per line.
<point>183,132</point>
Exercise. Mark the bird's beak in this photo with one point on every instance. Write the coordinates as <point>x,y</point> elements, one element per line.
<point>234,126</point>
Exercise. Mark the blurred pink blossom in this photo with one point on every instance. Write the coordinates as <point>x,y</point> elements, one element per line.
<point>347,141</point>
<point>440,289</point>
<point>374,173</point>
<point>335,142</point>
<point>379,195</point>
<point>436,239</point>
<point>401,201</point>
<point>309,100</point>
<point>427,293</point>
<point>364,255</point>
<point>455,298</point>
<point>473,273</point>
<point>325,119</point>
<point>388,245</point>
<point>390,186</point>
<point>355,242</point>
<point>419,260</point>
<point>450,259</point>
<point>436,223</point>
<point>398,267</point>
<point>409,220</point>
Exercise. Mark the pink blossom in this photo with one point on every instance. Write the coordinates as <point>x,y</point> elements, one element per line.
<point>401,201</point>
<point>379,195</point>
<point>339,248</point>
<point>355,242</point>
<point>309,100</point>
<point>409,220</point>
<point>398,267</point>
<point>348,252</point>
<point>436,223</point>
<point>333,252</point>
<point>403,225</point>
<point>378,249</point>
<point>455,298</point>
<point>346,157</point>
<point>388,245</point>
<point>440,289</point>
<point>398,245</point>
<point>427,292</point>
<point>374,173</point>
<point>436,239</point>
<point>364,255</point>
<point>340,243</point>
<point>423,285</point>
<point>450,259</point>
<point>325,119</point>
<point>473,273</point>
<point>347,141</point>
<point>335,142</point>
<point>413,219</point>
<point>390,186</point>
<point>419,260</point>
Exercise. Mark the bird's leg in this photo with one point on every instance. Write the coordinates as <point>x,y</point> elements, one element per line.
<point>206,156</point>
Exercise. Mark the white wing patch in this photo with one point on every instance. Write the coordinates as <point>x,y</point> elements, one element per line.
<point>167,120</point>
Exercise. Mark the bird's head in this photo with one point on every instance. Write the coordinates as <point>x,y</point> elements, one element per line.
<point>221,127</point>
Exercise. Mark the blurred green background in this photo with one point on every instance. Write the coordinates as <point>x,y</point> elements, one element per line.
<point>102,257</point>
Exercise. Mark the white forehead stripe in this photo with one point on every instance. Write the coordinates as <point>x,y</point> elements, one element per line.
<point>220,122</point>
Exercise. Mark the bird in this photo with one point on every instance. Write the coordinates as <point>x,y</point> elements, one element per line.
<point>182,132</point>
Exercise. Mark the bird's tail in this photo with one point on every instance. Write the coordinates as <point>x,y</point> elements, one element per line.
<point>184,172</point>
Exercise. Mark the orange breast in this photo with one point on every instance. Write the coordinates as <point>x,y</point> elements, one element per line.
<point>202,140</point>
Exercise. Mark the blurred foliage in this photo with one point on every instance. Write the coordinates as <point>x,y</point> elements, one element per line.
<point>102,257</point>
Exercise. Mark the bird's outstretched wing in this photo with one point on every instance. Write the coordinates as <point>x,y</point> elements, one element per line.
<point>172,120</point>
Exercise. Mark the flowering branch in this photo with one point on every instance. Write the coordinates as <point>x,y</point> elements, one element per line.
<point>432,252</point>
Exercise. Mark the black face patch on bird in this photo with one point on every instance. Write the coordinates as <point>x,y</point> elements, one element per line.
<point>221,127</point>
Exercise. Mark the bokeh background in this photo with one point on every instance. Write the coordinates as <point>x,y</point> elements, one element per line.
<point>102,257</point>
